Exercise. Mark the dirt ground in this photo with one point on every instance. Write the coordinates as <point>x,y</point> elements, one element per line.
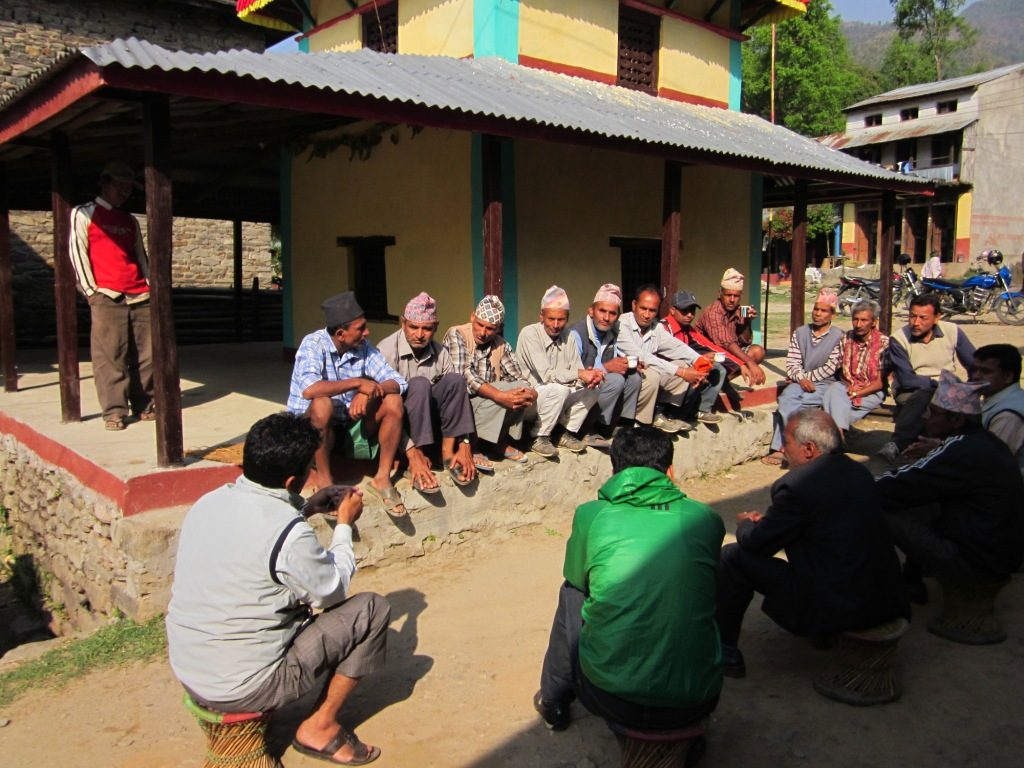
<point>469,630</point>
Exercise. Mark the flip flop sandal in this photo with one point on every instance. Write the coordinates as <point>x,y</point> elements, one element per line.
<point>514,454</point>
<point>457,473</point>
<point>362,753</point>
<point>483,464</point>
<point>149,414</point>
<point>391,499</point>
<point>114,425</point>
<point>773,459</point>
<point>418,485</point>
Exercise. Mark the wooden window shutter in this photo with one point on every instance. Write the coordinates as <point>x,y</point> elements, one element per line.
<point>639,40</point>
<point>381,35</point>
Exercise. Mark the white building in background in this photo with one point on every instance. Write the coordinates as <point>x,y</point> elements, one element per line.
<point>968,134</point>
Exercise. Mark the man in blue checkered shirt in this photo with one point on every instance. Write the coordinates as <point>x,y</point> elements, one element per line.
<point>340,378</point>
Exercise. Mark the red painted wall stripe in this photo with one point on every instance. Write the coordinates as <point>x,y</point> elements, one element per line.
<point>691,98</point>
<point>567,69</point>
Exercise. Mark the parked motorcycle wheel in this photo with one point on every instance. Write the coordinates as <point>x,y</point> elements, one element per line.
<point>850,296</point>
<point>1010,311</point>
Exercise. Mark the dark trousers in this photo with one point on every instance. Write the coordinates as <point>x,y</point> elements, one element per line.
<point>914,532</point>
<point>561,678</point>
<point>740,574</point>
<point>446,400</point>
<point>910,415</point>
<point>122,355</point>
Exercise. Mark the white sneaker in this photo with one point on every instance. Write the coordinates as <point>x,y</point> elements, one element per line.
<point>890,452</point>
<point>668,425</point>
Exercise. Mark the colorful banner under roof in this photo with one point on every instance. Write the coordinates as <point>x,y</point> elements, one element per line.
<point>255,12</point>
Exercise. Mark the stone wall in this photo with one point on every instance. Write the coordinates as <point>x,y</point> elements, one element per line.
<point>34,34</point>
<point>93,561</point>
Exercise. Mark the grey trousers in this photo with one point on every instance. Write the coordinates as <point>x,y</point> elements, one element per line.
<point>349,639</point>
<point>614,389</point>
<point>122,355</point>
<point>492,420</point>
<point>446,400</point>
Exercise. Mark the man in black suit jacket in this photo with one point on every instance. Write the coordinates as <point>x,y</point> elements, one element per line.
<point>842,570</point>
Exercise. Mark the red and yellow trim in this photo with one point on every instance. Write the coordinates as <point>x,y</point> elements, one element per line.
<point>250,10</point>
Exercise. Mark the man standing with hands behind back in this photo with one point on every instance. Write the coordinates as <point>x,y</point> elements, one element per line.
<point>112,269</point>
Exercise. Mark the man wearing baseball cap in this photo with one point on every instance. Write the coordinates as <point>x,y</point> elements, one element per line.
<point>112,271</point>
<point>679,322</point>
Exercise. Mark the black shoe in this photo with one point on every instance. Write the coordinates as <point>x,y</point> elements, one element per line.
<point>732,662</point>
<point>556,716</point>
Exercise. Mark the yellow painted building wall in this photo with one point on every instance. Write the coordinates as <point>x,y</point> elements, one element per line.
<point>964,211</point>
<point>580,33</point>
<point>430,27</point>
<point>849,227</point>
<point>693,60</point>
<point>569,202</point>
<point>417,191</point>
<point>715,229</point>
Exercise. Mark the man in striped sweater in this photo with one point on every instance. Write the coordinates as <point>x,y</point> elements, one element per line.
<point>111,267</point>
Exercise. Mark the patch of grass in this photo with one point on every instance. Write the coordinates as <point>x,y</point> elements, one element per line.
<point>113,646</point>
<point>552,532</point>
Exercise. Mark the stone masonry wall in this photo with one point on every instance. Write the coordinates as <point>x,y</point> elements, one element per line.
<point>34,34</point>
<point>94,562</point>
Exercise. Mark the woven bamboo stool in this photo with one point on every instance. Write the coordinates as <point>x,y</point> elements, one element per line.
<point>968,613</point>
<point>680,748</point>
<point>236,740</point>
<point>861,671</point>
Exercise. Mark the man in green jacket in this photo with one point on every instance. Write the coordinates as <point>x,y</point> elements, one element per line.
<point>634,635</point>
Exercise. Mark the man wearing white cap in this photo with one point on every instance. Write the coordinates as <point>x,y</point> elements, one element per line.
<point>436,393</point>
<point>959,511</point>
<point>811,365</point>
<point>595,336</point>
<point>112,271</point>
<point>729,325</point>
<point>566,391</point>
<point>494,379</point>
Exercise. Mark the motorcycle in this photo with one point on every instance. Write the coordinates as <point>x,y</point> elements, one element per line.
<point>980,293</point>
<point>855,289</point>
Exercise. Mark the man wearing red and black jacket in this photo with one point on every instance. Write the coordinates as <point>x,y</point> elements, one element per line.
<point>111,266</point>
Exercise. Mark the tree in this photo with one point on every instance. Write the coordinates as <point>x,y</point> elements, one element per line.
<point>905,64</point>
<point>814,77</point>
<point>936,27</point>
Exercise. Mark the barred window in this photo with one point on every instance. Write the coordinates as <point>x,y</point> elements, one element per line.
<point>380,28</point>
<point>639,41</point>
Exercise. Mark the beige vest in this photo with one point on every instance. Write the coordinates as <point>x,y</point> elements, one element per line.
<point>937,355</point>
<point>466,332</point>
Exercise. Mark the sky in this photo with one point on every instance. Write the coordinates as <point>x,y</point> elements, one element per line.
<point>867,10</point>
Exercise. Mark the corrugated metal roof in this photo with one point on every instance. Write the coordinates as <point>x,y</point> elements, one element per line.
<point>498,89</point>
<point>910,129</point>
<point>939,86</point>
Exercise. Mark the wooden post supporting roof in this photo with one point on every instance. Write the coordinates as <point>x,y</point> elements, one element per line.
<point>7,345</point>
<point>236,231</point>
<point>64,283</point>
<point>166,382</point>
<point>671,210</point>
<point>494,282</point>
<point>798,265</point>
<point>885,248</point>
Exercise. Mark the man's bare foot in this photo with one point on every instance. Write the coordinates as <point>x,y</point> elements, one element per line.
<point>422,477</point>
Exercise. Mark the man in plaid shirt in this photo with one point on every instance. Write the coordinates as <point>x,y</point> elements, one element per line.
<point>494,378</point>
<point>340,378</point>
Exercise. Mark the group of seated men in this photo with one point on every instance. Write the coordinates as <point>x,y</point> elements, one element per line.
<point>633,646</point>
<point>574,386</point>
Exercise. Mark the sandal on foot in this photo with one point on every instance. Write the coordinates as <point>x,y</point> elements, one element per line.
<point>483,464</point>
<point>514,454</point>
<point>362,754</point>
<point>774,459</point>
<point>457,473</point>
<point>149,414</point>
<point>115,424</point>
<point>391,499</point>
<point>417,485</point>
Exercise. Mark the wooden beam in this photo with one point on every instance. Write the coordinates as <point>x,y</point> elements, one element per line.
<point>494,257</point>
<point>671,215</point>
<point>7,343</point>
<point>236,242</point>
<point>798,266</point>
<point>885,248</point>
<point>714,9</point>
<point>64,282</point>
<point>166,382</point>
